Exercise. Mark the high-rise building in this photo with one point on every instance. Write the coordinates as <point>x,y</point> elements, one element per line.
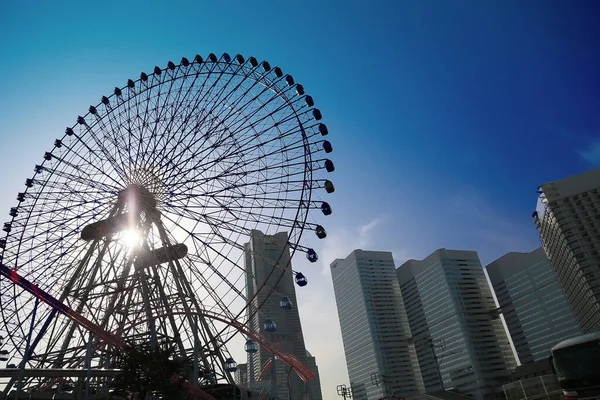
<point>262,253</point>
<point>380,355</point>
<point>315,385</point>
<point>535,308</point>
<point>460,340</point>
<point>568,219</point>
<point>241,374</point>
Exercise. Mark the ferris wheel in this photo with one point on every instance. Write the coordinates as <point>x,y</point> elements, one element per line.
<point>141,210</point>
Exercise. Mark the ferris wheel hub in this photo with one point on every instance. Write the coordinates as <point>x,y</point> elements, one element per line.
<point>138,198</point>
<point>149,179</point>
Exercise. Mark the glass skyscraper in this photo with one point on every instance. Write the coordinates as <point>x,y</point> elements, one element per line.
<point>568,219</point>
<point>460,340</point>
<point>535,308</point>
<point>380,355</point>
<point>261,254</point>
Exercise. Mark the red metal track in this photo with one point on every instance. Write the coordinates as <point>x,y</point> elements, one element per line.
<point>106,336</point>
<point>303,372</point>
<point>265,369</point>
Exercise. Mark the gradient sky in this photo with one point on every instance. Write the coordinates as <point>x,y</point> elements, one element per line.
<point>444,115</point>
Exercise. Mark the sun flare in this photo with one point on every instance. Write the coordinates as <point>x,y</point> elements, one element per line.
<point>131,238</point>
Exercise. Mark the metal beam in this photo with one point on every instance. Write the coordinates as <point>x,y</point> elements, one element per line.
<point>56,372</point>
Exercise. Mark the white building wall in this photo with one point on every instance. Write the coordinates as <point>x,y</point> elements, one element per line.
<point>380,356</point>
<point>568,220</point>
<point>459,337</point>
<point>536,310</point>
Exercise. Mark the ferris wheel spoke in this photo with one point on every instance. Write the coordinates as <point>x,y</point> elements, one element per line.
<point>245,199</point>
<point>105,154</point>
<point>175,162</point>
<point>250,149</point>
<point>200,140</point>
<point>206,245</point>
<point>216,100</point>
<point>235,107</point>
<point>154,108</point>
<point>279,221</point>
<point>131,129</point>
<point>42,252</point>
<point>215,293</point>
<point>163,141</point>
<point>113,132</point>
<point>142,111</point>
<point>232,181</point>
<point>239,152</point>
<point>161,112</point>
<point>277,204</point>
<point>188,165</point>
<point>233,224</point>
<point>259,115</point>
<point>171,149</point>
<point>120,161</point>
<point>47,227</point>
<point>120,133</point>
<point>205,94</point>
<point>119,116</point>
<point>221,120</point>
<point>120,140</point>
<point>299,143</point>
<point>185,287</point>
<point>78,203</point>
<point>239,117</point>
<point>264,157</point>
<point>212,292</point>
<point>214,145</point>
<point>199,217</point>
<point>94,162</point>
<point>195,104</point>
<point>246,135</point>
<point>81,176</point>
<point>230,172</point>
<point>36,254</point>
<point>76,210</point>
<point>68,180</point>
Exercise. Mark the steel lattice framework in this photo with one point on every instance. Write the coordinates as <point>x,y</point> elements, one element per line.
<point>141,210</point>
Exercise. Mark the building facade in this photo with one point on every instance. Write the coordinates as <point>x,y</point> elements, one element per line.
<point>568,220</point>
<point>460,340</point>
<point>241,375</point>
<point>380,354</point>
<point>315,385</point>
<point>535,308</point>
<point>269,280</point>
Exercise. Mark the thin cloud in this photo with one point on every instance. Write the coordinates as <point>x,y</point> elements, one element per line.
<point>365,232</point>
<point>591,153</point>
<point>340,242</point>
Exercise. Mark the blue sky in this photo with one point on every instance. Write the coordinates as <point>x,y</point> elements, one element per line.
<point>444,116</point>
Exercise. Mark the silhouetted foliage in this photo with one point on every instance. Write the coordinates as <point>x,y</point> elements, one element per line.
<point>147,369</point>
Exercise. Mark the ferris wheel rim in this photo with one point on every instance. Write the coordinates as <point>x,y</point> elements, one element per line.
<point>300,211</point>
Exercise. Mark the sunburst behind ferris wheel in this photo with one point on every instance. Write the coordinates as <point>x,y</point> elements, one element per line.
<point>141,210</point>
